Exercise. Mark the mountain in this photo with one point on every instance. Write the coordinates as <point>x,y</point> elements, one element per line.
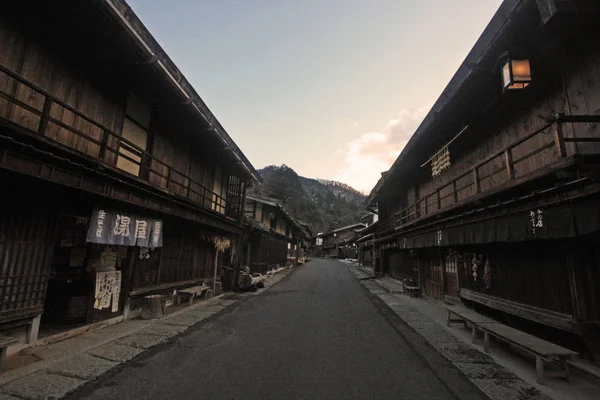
<point>322,204</point>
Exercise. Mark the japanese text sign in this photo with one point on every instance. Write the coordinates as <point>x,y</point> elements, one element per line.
<point>111,227</point>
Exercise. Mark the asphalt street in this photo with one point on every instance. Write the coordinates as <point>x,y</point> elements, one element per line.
<point>315,335</point>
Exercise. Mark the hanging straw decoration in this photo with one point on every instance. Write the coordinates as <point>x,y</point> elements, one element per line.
<point>440,162</point>
<point>221,243</point>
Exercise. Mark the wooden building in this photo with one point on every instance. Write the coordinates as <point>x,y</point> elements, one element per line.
<point>340,242</point>
<point>117,181</point>
<point>365,241</point>
<point>495,199</point>
<point>274,237</point>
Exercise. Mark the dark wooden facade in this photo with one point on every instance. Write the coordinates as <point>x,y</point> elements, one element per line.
<point>274,237</point>
<point>93,114</point>
<point>512,225</point>
<point>340,242</point>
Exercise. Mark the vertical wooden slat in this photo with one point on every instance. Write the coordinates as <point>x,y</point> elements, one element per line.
<point>559,141</point>
<point>45,113</point>
<point>510,169</point>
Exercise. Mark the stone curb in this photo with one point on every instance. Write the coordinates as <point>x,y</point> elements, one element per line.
<point>494,380</point>
<point>70,373</point>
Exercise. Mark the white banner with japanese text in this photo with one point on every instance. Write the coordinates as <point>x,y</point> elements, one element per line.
<point>125,229</point>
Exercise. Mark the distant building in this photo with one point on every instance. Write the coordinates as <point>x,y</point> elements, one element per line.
<point>274,237</point>
<point>340,242</point>
<point>365,242</point>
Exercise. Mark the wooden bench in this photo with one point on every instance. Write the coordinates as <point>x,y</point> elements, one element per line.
<point>464,315</point>
<point>5,341</point>
<point>540,348</point>
<point>190,293</point>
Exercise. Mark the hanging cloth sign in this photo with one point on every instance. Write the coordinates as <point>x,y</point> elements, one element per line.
<point>124,229</point>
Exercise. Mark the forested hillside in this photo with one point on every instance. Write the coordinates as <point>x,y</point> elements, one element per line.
<point>322,204</point>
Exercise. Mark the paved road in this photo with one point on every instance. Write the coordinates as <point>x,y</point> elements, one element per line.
<point>315,335</point>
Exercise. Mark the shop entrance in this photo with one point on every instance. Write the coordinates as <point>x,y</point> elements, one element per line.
<point>84,285</point>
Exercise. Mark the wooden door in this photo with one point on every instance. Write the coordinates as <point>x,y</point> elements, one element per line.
<point>451,286</point>
<point>434,280</point>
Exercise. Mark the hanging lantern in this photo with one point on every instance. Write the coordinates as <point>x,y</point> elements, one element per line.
<point>516,73</point>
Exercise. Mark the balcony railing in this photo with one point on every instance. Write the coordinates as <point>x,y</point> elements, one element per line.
<point>514,163</point>
<point>37,111</point>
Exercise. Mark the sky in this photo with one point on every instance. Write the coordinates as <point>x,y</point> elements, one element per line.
<point>332,88</point>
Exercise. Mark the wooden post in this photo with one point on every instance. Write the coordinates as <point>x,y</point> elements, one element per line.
<point>476,180</point>
<point>439,201</point>
<point>44,119</point>
<point>510,170</point>
<point>539,367</point>
<point>559,140</point>
<point>486,341</point>
<point>102,153</point>
<point>215,269</point>
<point>454,192</point>
<point>578,306</point>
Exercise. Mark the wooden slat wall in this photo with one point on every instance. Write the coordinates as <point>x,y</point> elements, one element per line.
<point>535,275</point>
<point>583,87</point>
<point>26,249</point>
<point>98,100</point>
<point>183,258</point>
<point>495,139</point>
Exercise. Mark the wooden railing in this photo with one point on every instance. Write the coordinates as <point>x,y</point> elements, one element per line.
<point>498,169</point>
<point>106,146</point>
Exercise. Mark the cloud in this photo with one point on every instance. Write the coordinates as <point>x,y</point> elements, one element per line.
<point>374,152</point>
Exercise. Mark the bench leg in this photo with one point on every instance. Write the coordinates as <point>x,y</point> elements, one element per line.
<point>539,368</point>
<point>448,320</point>
<point>191,300</point>
<point>486,342</point>
<point>33,330</point>
<point>474,334</point>
<point>2,357</point>
<point>565,366</point>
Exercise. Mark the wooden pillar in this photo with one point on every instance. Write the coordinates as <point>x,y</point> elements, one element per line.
<point>454,192</point>
<point>575,287</point>
<point>238,259</point>
<point>215,269</point>
<point>477,186</point>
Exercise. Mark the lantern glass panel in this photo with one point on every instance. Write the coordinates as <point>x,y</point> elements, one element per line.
<point>521,72</point>
<point>506,79</point>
